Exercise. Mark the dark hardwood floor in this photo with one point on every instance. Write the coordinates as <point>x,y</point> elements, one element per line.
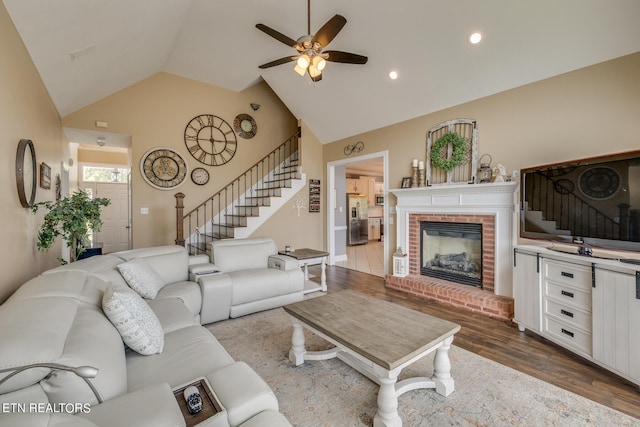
<point>502,342</point>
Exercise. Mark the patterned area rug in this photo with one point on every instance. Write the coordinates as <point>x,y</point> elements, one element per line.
<point>331,393</point>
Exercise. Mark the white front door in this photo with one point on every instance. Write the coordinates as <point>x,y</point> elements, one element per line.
<point>115,217</point>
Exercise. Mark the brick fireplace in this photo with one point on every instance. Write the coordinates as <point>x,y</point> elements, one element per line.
<point>494,207</point>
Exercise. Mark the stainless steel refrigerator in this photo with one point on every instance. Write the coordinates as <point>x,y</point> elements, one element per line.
<point>357,219</point>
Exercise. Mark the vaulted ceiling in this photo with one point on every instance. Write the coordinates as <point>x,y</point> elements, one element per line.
<point>88,49</point>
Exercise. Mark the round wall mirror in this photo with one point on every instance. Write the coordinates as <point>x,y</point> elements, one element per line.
<point>26,172</point>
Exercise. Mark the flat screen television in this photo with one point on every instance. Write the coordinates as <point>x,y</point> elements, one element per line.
<point>594,200</point>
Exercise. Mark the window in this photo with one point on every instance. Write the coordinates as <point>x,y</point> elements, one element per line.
<point>104,174</point>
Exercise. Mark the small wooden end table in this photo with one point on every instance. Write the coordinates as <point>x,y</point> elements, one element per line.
<point>377,338</point>
<point>306,257</point>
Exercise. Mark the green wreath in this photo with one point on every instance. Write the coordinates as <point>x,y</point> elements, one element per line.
<point>457,156</point>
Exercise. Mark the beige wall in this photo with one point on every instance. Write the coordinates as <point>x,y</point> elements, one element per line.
<point>102,157</point>
<point>155,112</point>
<point>589,112</point>
<point>26,111</point>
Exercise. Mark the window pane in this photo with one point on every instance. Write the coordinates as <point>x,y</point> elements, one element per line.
<point>103,174</point>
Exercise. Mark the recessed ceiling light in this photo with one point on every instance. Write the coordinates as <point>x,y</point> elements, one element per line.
<point>393,74</point>
<point>475,38</point>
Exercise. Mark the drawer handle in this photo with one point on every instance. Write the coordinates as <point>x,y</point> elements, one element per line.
<point>566,313</point>
<point>564,331</point>
<point>565,274</point>
<point>567,294</point>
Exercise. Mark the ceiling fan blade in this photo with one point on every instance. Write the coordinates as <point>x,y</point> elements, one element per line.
<point>277,35</point>
<point>277,62</point>
<point>329,30</point>
<point>345,57</point>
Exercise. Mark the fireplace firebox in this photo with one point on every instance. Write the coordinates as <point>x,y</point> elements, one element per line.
<point>451,251</point>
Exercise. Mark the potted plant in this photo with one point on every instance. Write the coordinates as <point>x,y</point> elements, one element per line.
<point>74,218</point>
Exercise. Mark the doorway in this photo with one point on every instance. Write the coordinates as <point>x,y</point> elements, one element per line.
<point>102,166</point>
<point>372,257</point>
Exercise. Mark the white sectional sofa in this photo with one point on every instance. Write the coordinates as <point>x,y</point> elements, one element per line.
<point>73,316</point>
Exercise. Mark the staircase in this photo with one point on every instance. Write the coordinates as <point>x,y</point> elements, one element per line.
<point>240,207</point>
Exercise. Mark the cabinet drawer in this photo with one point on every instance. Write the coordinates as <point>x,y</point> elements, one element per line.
<point>568,295</point>
<point>568,334</point>
<point>568,314</point>
<point>573,274</point>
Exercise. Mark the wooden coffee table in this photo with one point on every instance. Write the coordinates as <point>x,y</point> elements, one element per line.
<point>379,339</point>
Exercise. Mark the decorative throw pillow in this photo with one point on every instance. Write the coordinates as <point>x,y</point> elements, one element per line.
<point>138,325</point>
<point>141,277</point>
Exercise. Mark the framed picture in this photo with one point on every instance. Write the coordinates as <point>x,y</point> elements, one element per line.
<point>314,195</point>
<point>406,182</point>
<point>45,176</point>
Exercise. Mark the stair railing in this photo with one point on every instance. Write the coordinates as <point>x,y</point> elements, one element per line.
<point>227,209</point>
<point>559,202</point>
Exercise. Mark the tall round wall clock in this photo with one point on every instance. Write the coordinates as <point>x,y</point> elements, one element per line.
<point>163,168</point>
<point>26,172</point>
<point>210,140</point>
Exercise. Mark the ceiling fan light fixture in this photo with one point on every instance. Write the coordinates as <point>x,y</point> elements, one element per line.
<point>314,72</point>
<point>319,62</point>
<point>298,69</point>
<point>303,61</point>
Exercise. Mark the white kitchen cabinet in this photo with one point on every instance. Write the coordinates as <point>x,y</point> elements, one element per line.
<point>354,186</point>
<point>616,325</point>
<point>374,228</point>
<point>379,187</point>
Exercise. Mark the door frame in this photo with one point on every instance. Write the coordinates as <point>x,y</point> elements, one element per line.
<point>332,202</point>
<point>92,184</point>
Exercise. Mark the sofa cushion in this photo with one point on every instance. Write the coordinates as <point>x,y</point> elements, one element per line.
<point>170,262</point>
<point>189,353</point>
<point>252,285</point>
<point>133,318</point>
<point>172,313</point>
<point>240,254</point>
<point>187,292</point>
<point>76,333</point>
<point>141,277</point>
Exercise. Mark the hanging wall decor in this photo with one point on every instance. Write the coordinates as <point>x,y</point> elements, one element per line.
<point>314,195</point>
<point>45,176</point>
<point>452,152</point>
<point>354,148</point>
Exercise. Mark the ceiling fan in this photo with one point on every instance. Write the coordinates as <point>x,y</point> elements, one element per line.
<point>311,58</point>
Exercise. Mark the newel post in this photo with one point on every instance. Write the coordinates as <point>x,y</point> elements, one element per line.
<point>179,219</point>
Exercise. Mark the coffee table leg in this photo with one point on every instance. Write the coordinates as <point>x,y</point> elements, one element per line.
<point>297,352</point>
<point>387,415</point>
<point>442,369</point>
<point>323,275</point>
<point>306,271</point>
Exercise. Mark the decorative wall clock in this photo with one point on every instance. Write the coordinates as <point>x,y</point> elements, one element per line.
<point>26,173</point>
<point>245,126</point>
<point>163,168</point>
<point>200,176</point>
<point>210,140</point>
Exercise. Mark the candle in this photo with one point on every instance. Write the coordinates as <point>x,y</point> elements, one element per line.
<point>415,163</point>
<point>421,166</point>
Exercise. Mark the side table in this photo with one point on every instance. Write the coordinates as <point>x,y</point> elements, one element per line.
<point>308,257</point>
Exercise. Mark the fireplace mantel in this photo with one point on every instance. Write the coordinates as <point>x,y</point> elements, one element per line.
<point>497,199</point>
